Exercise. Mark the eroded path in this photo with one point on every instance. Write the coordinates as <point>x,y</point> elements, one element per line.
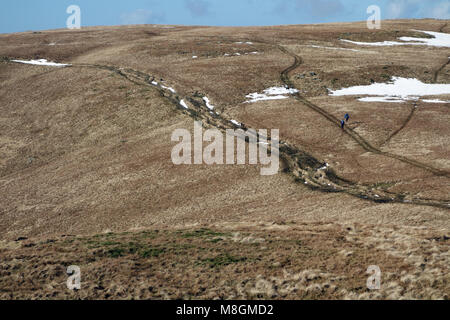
<point>306,169</point>
<point>405,123</point>
<point>367,146</point>
<point>436,73</point>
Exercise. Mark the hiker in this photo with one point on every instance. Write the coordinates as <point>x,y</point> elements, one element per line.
<point>342,124</point>
<point>347,117</point>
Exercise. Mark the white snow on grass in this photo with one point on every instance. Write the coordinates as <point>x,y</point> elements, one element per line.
<point>248,42</point>
<point>435,101</point>
<point>280,90</point>
<point>183,104</point>
<point>154,83</point>
<point>439,40</point>
<point>236,123</point>
<point>240,54</point>
<point>398,90</point>
<point>273,93</point>
<point>169,88</point>
<point>255,97</point>
<point>42,62</point>
<point>379,44</point>
<point>208,104</point>
<point>326,166</point>
<point>381,99</point>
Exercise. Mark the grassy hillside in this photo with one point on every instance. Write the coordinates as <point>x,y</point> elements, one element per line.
<point>86,175</point>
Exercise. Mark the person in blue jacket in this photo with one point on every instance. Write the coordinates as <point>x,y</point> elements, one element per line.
<point>347,117</point>
<point>342,124</point>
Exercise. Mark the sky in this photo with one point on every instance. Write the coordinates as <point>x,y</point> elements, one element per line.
<point>27,15</point>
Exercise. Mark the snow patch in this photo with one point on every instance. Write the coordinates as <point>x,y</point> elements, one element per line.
<point>326,166</point>
<point>183,104</point>
<point>435,101</point>
<point>379,44</point>
<point>439,40</point>
<point>236,123</point>
<point>208,104</point>
<point>169,88</point>
<point>273,93</point>
<point>42,62</point>
<point>240,54</point>
<point>280,90</point>
<point>381,99</point>
<point>398,90</point>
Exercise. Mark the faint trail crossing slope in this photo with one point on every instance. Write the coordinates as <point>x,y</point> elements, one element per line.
<point>405,123</point>
<point>367,146</point>
<point>441,68</point>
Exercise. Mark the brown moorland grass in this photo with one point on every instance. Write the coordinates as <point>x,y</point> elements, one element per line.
<point>85,152</point>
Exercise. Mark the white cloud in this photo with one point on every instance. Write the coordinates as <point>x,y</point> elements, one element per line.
<point>198,7</point>
<point>402,8</point>
<point>395,10</point>
<point>438,9</point>
<point>140,16</point>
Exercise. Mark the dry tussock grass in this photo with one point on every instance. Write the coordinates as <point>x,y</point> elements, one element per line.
<point>83,151</point>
